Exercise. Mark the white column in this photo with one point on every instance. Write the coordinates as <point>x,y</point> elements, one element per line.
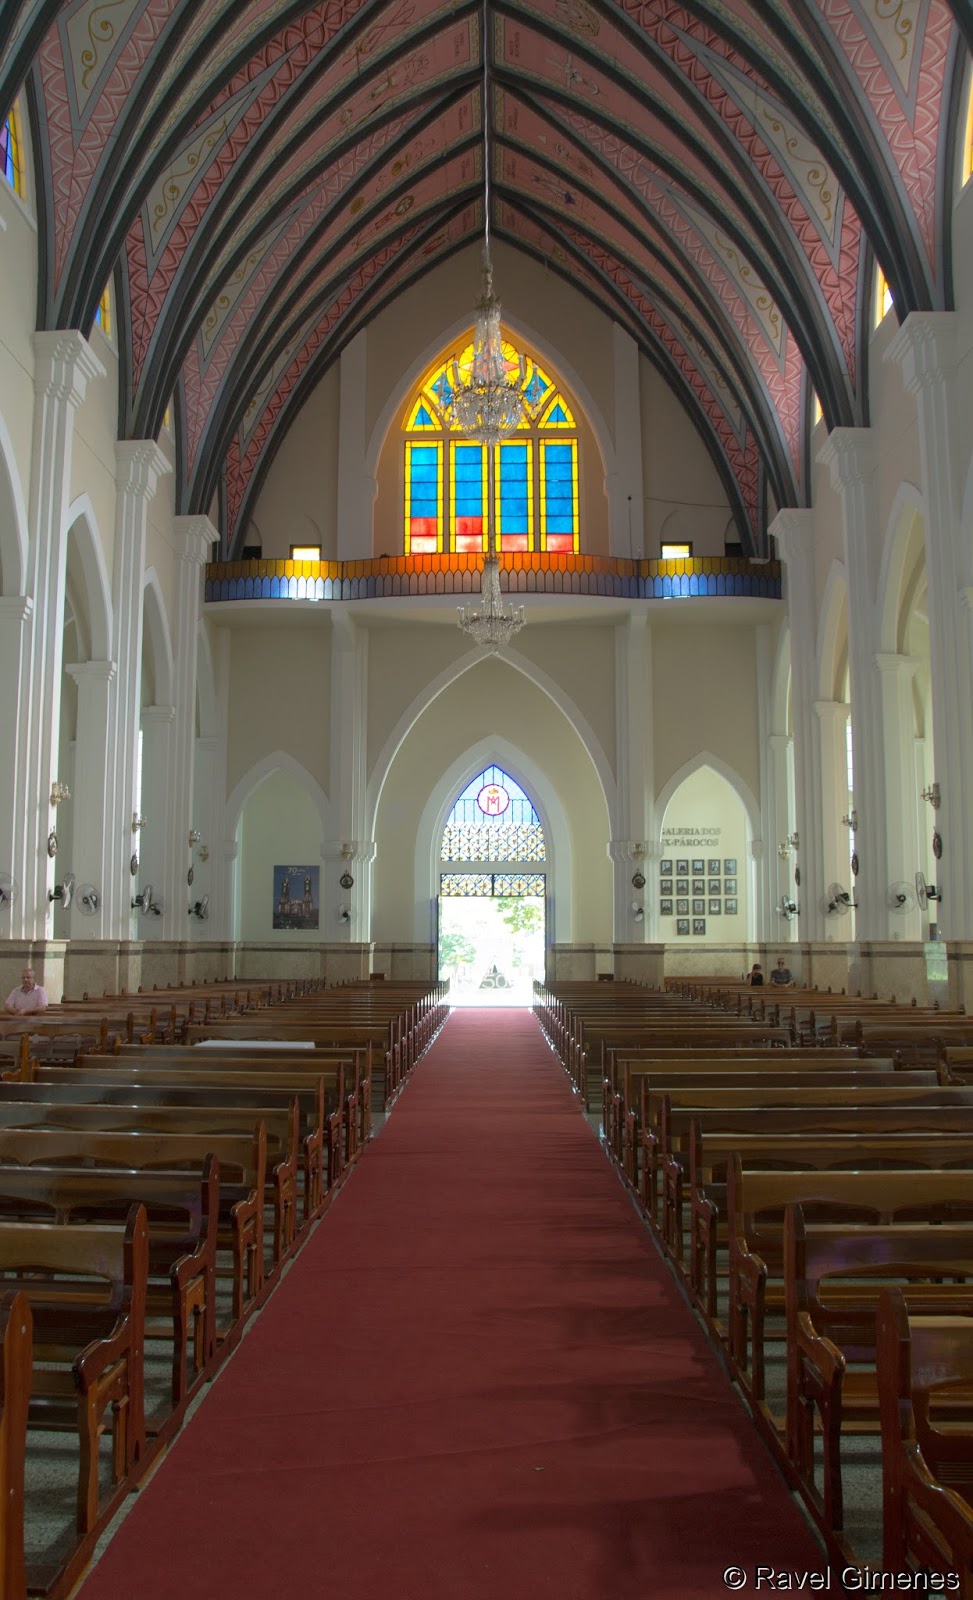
<point>64,366</point>
<point>794,532</point>
<point>140,465</point>
<point>832,720</point>
<point>90,791</point>
<point>15,613</point>
<point>780,869</point>
<point>152,842</point>
<point>356,487</point>
<point>848,452</point>
<point>351,853</point>
<point>626,503</point>
<point>195,537</point>
<point>634,806</point>
<point>926,349</point>
<point>902,857</point>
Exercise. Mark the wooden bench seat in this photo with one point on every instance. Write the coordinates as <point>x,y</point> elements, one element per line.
<point>181,1211</point>
<point>16,1333</point>
<point>87,1289</point>
<point>832,1280</point>
<point>924,1366</point>
<point>242,1166</point>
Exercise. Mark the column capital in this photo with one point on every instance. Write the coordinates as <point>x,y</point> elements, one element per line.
<point>888,663</point>
<point>140,466</point>
<point>780,741</point>
<point>625,850</point>
<point>64,364</point>
<point>925,348</point>
<point>157,714</point>
<point>195,537</point>
<point>349,850</point>
<point>793,528</point>
<point>91,671</point>
<point>15,607</point>
<point>757,849</point>
<point>831,710</point>
<point>850,455</point>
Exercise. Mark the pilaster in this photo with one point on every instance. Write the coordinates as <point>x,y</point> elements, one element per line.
<point>832,719</point>
<point>64,364</point>
<point>140,464</point>
<point>902,844</point>
<point>195,537</point>
<point>15,613</point>
<point>91,788</point>
<point>349,743</point>
<point>635,786</point>
<point>356,486</point>
<point>794,532</point>
<point>848,452</point>
<point>925,349</point>
<point>780,868</point>
<point>151,843</point>
<point>626,502</point>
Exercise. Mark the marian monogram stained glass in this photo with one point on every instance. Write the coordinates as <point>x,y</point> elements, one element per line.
<point>481,827</point>
<point>493,885</point>
<point>529,482</point>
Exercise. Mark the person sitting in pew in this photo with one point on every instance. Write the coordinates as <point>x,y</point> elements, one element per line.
<point>28,997</point>
<point>755,976</point>
<point>781,975</point>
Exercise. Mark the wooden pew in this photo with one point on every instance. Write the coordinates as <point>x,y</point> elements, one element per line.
<point>756,1203</point>
<point>242,1168</point>
<point>925,1377</point>
<point>181,1213</point>
<point>832,1280</point>
<point>16,1331</point>
<point>87,1288</point>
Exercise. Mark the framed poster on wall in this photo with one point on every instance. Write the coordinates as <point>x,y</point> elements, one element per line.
<point>665,908</point>
<point>296,897</point>
<point>682,925</point>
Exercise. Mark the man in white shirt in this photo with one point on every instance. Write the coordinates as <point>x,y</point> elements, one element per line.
<point>29,997</point>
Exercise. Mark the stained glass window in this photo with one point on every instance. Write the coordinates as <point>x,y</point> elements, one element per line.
<point>103,316</point>
<point>12,153</point>
<point>493,885</point>
<point>493,820</point>
<point>529,483</point>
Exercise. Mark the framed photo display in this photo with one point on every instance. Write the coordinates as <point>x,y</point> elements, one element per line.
<point>665,869</point>
<point>729,886</point>
<point>715,885</point>
<point>714,865</point>
<point>699,925</point>
<point>730,907</point>
<point>665,908</point>
<point>682,925</point>
<point>699,886</point>
<point>682,869</point>
<point>682,885</point>
<point>715,908</point>
<point>699,865</point>
<point>682,908</point>
<point>699,908</point>
<point>730,866</point>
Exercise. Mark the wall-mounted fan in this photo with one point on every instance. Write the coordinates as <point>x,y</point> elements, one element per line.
<point>344,914</point>
<point>787,909</point>
<point>9,891</point>
<point>87,899</point>
<point>144,902</point>
<point>926,892</point>
<point>200,908</point>
<point>838,901</point>
<point>63,891</point>
<point>901,898</point>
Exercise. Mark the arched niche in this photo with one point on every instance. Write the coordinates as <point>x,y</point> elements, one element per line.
<point>491,713</point>
<point>279,817</point>
<point>13,520</point>
<point>708,817</point>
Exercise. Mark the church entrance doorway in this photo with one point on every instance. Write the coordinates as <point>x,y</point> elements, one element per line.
<point>492,903</point>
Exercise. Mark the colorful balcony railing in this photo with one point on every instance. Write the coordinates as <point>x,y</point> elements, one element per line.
<point>385,578</point>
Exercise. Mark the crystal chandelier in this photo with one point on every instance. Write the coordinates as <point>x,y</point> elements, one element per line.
<point>493,623</point>
<point>487,403</point>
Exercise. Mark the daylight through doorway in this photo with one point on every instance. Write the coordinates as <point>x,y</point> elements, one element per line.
<point>492,893</point>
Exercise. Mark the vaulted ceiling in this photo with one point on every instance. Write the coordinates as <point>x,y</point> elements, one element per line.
<point>262,178</point>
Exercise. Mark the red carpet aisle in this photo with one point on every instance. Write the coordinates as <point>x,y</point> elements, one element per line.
<point>477,1382</point>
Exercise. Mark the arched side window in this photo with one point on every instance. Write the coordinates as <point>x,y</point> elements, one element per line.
<point>523,491</point>
<point>493,820</point>
<point>12,153</point>
<point>103,316</point>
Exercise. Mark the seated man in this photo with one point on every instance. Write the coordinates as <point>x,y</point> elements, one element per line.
<point>29,997</point>
<point>781,974</point>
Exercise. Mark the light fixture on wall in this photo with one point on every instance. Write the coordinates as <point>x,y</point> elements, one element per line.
<point>792,842</point>
<point>851,820</point>
<point>59,792</point>
<point>137,822</point>
<point>194,837</point>
<point>933,795</point>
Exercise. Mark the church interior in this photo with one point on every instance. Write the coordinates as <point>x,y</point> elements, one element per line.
<point>302,645</point>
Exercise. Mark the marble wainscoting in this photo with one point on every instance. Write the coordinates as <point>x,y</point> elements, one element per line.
<point>959,972</point>
<point>46,956</point>
<point>640,963</point>
<point>683,959</point>
<point>579,963</point>
<point>405,962</point>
